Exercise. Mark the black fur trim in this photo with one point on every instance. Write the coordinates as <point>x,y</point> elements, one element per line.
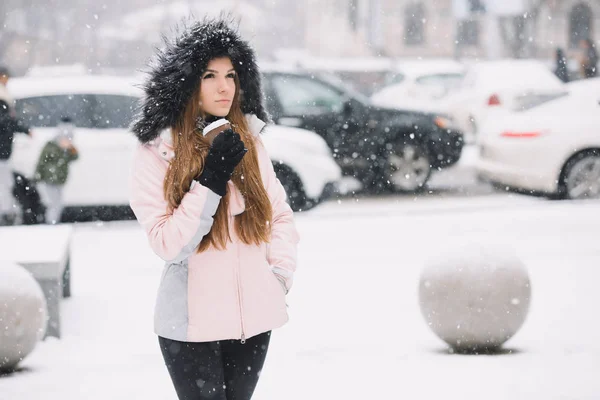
<point>178,67</point>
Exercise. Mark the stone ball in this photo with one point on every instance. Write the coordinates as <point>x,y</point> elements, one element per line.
<point>474,297</point>
<point>23,314</point>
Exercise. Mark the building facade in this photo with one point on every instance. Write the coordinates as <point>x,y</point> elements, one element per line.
<point>437,28</point>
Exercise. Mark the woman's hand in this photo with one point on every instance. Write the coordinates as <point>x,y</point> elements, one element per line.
<point>225,153</point>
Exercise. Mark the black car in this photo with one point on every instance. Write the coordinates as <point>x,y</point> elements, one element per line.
<point>385,149</point>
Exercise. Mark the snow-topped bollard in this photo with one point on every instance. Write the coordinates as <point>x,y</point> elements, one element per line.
<point>474,297</point>
<point>23,314</point>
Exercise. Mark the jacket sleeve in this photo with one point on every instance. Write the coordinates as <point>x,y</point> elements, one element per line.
<point>6,121</point>
<point>40,167</point>
<point>282,250</point>
<point>11,123</point>
<point>175,235</point>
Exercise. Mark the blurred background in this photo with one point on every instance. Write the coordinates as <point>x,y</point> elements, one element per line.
<point>419,97</point>
<point>118,36</point>
<point>401,130</point>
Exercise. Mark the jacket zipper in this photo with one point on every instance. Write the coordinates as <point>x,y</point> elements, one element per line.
<point>239,293</point>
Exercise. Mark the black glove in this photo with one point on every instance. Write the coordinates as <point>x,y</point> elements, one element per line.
<point>225,153</point>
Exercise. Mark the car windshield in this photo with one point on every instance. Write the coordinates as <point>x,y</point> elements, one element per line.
<point>502,75</point>
<point>113,111</point>
<point>86,110</point>
<point>393,78</point>
<point>447,81</point>
<point>348,91</point>
<point>579,92</point>
<point>530,101</point>
<point>47,111</point>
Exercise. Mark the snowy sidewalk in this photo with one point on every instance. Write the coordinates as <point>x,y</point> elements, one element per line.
<point>356,331</point>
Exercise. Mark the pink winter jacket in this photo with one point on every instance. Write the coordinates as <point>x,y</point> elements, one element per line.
<point>234,293</point>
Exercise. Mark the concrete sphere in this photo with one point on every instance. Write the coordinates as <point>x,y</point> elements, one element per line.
<point>474,297</point>
<point>23,314</point>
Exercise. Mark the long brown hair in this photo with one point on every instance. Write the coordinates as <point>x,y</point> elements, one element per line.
<point>253,226</point>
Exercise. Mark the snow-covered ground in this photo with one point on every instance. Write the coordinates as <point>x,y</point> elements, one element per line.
<point>356,331</point>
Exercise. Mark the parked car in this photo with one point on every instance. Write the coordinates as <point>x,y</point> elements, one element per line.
<point>420,84</point>
<point>101,108</point>
<point>553,147</point>
<point>303,164</point>
<point>495,87</point>
<point>383,148</point>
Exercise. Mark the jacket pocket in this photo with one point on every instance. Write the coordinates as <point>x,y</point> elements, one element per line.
<point>280,280</point>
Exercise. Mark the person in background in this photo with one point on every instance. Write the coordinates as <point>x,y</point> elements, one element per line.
<point>9,125</point>
<point>561,70</point>
<point>53,169</point>
<point>589,59</point>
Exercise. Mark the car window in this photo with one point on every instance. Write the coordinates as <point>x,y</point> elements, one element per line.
<point>46,111</point>
<point>113,111</point>
<point>447,81</point>
<point>532,100</point>
<point>303,96</point>
<point>334,82</point>
<point>394,78</point>
<point>270,96</point>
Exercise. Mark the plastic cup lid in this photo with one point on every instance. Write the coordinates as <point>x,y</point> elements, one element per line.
<point>214,125</point>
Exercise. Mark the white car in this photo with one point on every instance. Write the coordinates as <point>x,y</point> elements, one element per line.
<point>303,164</point>
<point>419,84</point>
<point>495,87</point>
<point>552,148</point>
<point>101,108</point>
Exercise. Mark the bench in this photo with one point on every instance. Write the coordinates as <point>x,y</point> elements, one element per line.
<point>44,251</point>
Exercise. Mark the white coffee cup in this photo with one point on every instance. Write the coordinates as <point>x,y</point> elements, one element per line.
<point>211,130</point>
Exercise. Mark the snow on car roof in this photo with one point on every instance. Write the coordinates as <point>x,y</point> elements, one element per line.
<point>585,86</point>
<point>509,74</point>
<point>353,64</point>
<point>412,67</point>
<point>422,67</point>
<point>92,84</point>
<point>267,66</point>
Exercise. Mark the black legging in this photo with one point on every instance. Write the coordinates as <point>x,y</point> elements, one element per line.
<point>222,370</point>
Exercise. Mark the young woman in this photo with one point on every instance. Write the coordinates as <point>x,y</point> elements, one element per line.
<point>215,213</point>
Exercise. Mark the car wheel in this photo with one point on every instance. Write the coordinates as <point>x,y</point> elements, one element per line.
<point>581,176</point>
<point>408,167</point>
<point>295,195</point>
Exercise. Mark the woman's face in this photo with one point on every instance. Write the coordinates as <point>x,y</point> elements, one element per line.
<point>217,87</point>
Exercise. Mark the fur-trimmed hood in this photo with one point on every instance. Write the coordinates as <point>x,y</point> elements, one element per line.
<point>177,70</point>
